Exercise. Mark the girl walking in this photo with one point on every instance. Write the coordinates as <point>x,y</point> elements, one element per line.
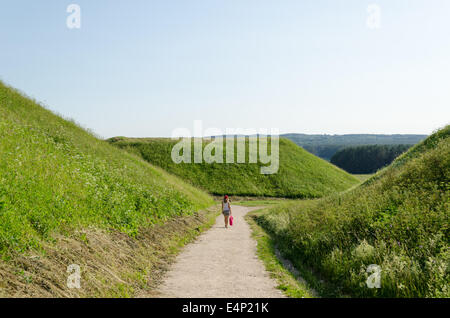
<point>226,210</point>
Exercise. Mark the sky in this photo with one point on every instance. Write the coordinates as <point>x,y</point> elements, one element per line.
<point>146,68</point>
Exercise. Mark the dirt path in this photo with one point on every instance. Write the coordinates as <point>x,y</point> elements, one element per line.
<point>220,263</point>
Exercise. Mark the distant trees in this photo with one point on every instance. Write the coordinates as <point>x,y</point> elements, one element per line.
<point>325,146</point>
<point>368,158</point>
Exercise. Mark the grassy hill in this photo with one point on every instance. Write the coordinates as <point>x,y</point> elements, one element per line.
<point>398,219</point>
<point>300,174</point>
<point>56,178</point>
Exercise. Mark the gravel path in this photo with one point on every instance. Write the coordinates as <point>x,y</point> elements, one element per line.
<point>220,263</point>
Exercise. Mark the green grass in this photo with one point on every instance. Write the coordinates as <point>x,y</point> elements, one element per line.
<point>56,177</point>
<point>300,174</point>
<point>252,203</point>
<point>363,177</point>
<point>398,219</point>
<point>266,251</point>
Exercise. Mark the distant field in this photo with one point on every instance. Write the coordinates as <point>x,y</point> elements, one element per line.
<point>259,202</point>
<point>398,219</point>
<point>300,175</point>
<point>363,177</point>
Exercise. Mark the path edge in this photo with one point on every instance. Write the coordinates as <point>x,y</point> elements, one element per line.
<point>290,283</point>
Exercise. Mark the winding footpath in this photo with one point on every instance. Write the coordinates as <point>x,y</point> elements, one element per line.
<point>220,263</point>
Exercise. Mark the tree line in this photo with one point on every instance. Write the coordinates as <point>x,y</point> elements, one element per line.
<point>325,146</point>
<point>368,158</point>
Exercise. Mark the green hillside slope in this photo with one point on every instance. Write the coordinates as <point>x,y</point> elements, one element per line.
<point>300,174</point>
<point>56,177</point>
<point>398,220</point>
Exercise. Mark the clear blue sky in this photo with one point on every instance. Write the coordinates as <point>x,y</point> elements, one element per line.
<point>144,68</point>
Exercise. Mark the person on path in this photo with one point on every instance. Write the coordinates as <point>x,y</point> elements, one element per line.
<point>226,210</point>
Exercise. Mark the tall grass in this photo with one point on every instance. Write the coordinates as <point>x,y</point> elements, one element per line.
<point>56,177</point>
<point>398,220</point>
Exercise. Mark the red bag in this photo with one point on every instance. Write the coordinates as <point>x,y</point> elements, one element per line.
<point>231,220</point>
